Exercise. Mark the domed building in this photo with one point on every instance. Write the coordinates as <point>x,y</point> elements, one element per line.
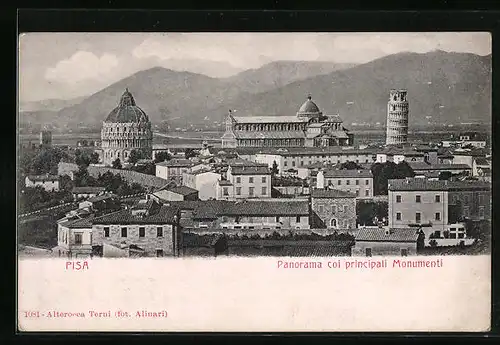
<point>126,128</point>
<point>308,128</point>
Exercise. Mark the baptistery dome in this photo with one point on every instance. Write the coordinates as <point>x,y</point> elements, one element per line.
<point>125,129</point>
<point>127,111</point>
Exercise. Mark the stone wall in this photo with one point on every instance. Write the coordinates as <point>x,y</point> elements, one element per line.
<point>384,248</point>
<point>333,208</point>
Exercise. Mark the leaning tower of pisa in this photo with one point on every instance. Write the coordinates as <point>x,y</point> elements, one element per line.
<point>397,118</point>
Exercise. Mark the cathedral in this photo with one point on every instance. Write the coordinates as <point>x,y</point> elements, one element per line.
<point>126,128</point>
<point>308,128</point>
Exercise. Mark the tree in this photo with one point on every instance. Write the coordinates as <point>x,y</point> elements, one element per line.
<point>94,158</point>
<point>66,183</point>
<point>382,172</point>
<point>117,164</point>
<point>162,156</point>
<point>135,155</point>
<point>274,169</point>
<point>82,177</point>
<point>445,175</point>
<point>350,166</point>
<point>189,152</point>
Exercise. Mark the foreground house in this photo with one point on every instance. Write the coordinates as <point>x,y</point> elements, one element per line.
<point>333,208</point>
<point>74,236</point>
<point>86,192</point>
<point>387,242</point>
<point>48,182</point>
<point>147,229</point>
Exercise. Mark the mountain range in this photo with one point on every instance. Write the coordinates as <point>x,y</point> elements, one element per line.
<point>443,87</point>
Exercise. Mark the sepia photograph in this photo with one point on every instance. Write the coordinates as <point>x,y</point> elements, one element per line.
<point>235,171</point>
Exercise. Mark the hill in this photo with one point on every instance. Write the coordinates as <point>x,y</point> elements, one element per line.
<point>48,104</point>
<point>449,87</point>
<point>280,73</point>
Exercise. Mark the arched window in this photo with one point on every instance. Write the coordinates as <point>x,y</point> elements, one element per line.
<point>333,223</point>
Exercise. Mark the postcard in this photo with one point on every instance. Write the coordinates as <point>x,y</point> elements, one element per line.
<point>267,182</point>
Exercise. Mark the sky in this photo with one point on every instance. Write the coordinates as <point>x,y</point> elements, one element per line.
<point>70,65</point>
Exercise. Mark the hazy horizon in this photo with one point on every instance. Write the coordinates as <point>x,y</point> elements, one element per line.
<point>71,65</point>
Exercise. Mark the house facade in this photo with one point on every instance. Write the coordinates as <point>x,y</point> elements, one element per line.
<point>387,242</point>
<point>48,182</point>
<point>173,169</point>
<point>205,182</point>
<point>248,181</point>
<point>334,209</point>
<point>358,182</point>
<point>74,237</point>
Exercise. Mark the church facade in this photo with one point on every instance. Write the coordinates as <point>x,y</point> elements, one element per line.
<point>308,128</point>
<point>126,128</point>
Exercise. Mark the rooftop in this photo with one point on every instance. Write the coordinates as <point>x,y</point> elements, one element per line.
<point>344,173</point>
<point>427,166</point>
<point>330,193</point>
<point>45,177</point>
<point>423,184</point>
<point>104,197</point>
<point>381,235</point>
<point>182,190</point>
<point>176,163</point>
<point>88,190</point>
<point>268,119</point>
<point>250,170</point>
<point>165,215</point>
<point>79,223</point>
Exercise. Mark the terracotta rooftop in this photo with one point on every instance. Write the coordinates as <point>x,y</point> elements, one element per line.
<point>165,215</point>
<point>330,193</point>
<point>380,235</point>
<point>345,173</point>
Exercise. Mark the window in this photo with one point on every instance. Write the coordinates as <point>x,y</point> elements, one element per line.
<point>417,217</point>
<point>398,198</point>
<point>345,208</point>
<point>250,191</point>
<point>348,182</point>
<point>293,163</point>
<point>367,182</point>
<point>301,163</point>
<point>437,198</point>
<point>321,209</point>
<point>481,212</point>
<point>437,216</point>
<point>334,208</point>
<point>453,235</point>
<point>333,223</point>
<point>357,182</point>
<point>285,163</point>
<point>339,182</point>
<point>404,252</point>
<point>357,192</point>
<point>263,179</point>
<point>106,232</point>
<point>368,251</point>
<point>466,199</point>
<point>277,219</point>
<point>159,231</point>
<point>238,190</point>
<point>346,224</point>
<point>78,238</point>
<point>297,219</point>
<point>466,211</point>
<point>264,190</point>
<point>418,198</point>
<point>367,192</point>
<point>226,191</point>
<point>124,232</point>
<point>142,232</point>
<point>398,216</point>
<point>460,235</point>
<point>250,180</point>
<point>238,179</point>
<point>159,253</point>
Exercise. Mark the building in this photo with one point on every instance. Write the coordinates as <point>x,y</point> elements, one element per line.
<point>481,167</point>
<point>292,159</point>
<point>48,182</point>
<point>126,128</point>
<point>205,182</point>
<point>173,169</point>
<point>308,128</point>
<point>387,242</point>
<point>358,182</point>
<point>437,206</point>
<point>467,156</point>
<point>45,138</point>
<point>147,229</point>
<point>176,193</point>
<point>334,209</point>
<point>421,168</point>
<point>243,216</point>
<point>397,118</point>
<point>86,192</point>
<point>101,204</point>
<point>74,237</point>
<point>251,180</point>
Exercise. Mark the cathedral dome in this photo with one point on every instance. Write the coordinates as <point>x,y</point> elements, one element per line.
<point>127,111</point>
<point>309,108</point>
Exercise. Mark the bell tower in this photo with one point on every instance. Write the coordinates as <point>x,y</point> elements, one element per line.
<point>397,118</point>
<point>229,138</point>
